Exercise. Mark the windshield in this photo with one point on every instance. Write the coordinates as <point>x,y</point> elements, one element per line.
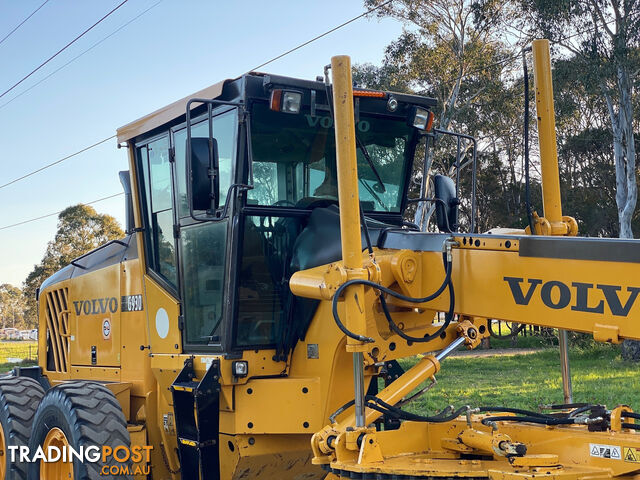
<point>294,159</point>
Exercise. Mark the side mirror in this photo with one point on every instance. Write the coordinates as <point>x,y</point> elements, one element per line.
<point>447,208</point>
<point>203,173</point>
<point>125,180</point>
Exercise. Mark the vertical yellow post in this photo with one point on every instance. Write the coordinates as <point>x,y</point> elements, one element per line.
<point>551,175</point>
<point>547,139</point>
<point>349,200</point>
<point>348,195</point>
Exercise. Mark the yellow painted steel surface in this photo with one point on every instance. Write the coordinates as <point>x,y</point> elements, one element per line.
<point>552,452</point>
<point>557,224</point>
<point>348,197</point>
<point>267,420</point>
<point>56,470</point>
<point>547,132</point>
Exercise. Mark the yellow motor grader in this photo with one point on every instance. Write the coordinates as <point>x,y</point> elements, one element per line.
<point>249,324</point>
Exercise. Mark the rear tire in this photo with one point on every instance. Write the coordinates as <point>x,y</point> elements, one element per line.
<point>19,399</point>
<point>89,415</point>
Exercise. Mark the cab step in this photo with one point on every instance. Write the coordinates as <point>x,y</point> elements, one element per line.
<point>196,407</point>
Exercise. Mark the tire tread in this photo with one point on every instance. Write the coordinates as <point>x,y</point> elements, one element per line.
<point>19,400</point>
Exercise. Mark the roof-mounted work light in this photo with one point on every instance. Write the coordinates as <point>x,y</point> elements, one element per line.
<point>286,101</point>
<point>421,118</point>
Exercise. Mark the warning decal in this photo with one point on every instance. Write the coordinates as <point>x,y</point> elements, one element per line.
<point>106,329</point>
<point>605,451</point>
<point>631,454</point>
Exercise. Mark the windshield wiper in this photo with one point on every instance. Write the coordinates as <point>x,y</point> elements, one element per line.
<point>381,188</point>
<point>373,194</point>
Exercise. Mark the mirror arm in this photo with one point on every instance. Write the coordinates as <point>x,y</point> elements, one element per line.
<point>247,114</point>
<point>210,105</point>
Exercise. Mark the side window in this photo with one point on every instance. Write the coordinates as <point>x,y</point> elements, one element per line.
<point>161,251</point>
<point>224,131</point>
<point>263,294</point>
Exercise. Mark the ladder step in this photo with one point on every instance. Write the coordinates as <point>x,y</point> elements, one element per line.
<point>194,443</point>
<point>185,387</point>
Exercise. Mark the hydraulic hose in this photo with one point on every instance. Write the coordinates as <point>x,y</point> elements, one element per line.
<point>381,406</point>
<point>582,409</point>
<point>446,283</point>
<point>394,327</point>
<point>518,411</point>
<point>530,419</point>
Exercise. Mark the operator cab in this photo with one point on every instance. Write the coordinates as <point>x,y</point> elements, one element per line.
<point>229,192</point>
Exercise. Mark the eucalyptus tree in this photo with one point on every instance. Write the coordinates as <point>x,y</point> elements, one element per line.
<point>80,229</point>
<point>603,37</point>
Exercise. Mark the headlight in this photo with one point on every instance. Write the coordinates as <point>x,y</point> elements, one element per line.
<point>240,368</point>
<point>421,119</point>
<point>286,101</point>
<point>291,102</point>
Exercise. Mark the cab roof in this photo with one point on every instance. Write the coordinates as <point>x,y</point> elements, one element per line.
<point>255,82</point>
<point>168,113</point>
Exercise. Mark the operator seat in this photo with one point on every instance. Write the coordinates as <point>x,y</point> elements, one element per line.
<point>319,243</point>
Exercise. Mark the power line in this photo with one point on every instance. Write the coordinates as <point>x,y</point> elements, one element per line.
<point>113,136</point>
<point>58,213</point>
<point>62,49</point>
<point>79,55</point>
<point>515,56</point>
<point>480,70</point>
<point>23,22</point>
<point>57,162</point>
<point>321,35</point>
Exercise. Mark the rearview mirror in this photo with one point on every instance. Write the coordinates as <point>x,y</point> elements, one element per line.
<point>447,206</point>
<point>203,173</point>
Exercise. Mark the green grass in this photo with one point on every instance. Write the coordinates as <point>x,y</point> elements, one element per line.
<point>599,375</point>
<point>7,367</point>
<point>28,350</point>
<point>530,341</point>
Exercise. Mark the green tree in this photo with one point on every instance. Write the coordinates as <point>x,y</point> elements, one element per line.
<point>80,229</point>
<point>603,36</point>
<point>455,52</point>
<point>12,307</point>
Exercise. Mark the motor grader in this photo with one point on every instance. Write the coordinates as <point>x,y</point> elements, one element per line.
<point>249,324</point>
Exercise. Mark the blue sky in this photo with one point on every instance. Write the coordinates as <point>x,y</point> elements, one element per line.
<point>176,48</point>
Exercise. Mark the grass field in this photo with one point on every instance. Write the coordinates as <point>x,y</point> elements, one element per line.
<point>24,350</point>
<point>599,375</point>
<point>11,349</point>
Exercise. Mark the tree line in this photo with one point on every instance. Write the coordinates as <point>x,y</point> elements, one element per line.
<point>468,55</point>
<point>80,229</point>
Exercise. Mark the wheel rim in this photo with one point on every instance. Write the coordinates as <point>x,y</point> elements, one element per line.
<point>56,470</point>
<point>3,452</point>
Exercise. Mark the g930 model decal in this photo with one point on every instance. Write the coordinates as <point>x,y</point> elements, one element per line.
<point>131,303</point>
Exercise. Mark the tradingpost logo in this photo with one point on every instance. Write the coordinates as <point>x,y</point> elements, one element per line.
<point>121,460</point>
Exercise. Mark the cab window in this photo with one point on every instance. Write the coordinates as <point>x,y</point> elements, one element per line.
<point>294,159</point>
<point>224,131</point>
<point>161,248</point>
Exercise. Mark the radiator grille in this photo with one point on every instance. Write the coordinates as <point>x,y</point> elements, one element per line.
<point>57,313</point>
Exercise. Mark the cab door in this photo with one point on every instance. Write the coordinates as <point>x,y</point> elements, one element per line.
<point>161,281</point>
<point>204,247</point>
